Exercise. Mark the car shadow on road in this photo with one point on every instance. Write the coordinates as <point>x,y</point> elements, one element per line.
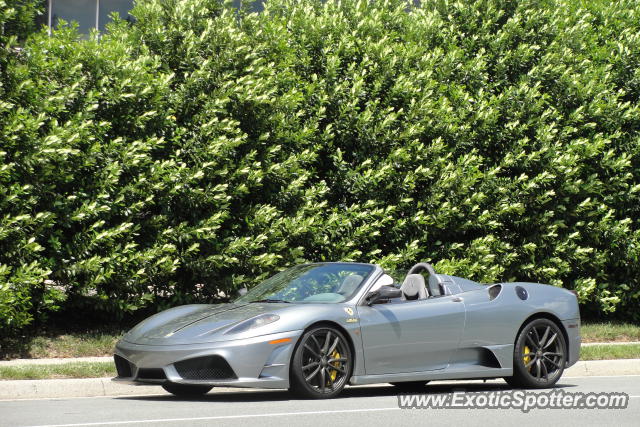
<point>261,395</point>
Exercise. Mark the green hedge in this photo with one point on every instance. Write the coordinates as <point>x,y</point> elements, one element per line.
<point>202,148</point>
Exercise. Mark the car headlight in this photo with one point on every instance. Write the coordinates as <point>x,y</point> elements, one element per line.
<point>254,322</point>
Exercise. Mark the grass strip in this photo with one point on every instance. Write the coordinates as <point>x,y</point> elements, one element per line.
<point>64,370</point>
<point>610,351</point>
<point>609,332</point>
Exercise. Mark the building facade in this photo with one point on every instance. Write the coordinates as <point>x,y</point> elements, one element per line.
<point>89,14</point>
<point>95,14</point>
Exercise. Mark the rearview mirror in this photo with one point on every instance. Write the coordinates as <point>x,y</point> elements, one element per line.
<point>384,293</point>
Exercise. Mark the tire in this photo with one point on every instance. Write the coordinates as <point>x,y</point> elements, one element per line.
<point>408,386</point>
<point>186,390</point>
<point>321,365</point>
<point>539,355</point>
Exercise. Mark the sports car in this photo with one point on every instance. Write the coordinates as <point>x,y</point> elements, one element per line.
<point>315,328</point>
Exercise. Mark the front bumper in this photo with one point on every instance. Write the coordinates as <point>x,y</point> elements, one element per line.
<point>255,362</point>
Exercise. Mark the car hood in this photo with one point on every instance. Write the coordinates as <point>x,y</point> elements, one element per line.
<point>197,323</point>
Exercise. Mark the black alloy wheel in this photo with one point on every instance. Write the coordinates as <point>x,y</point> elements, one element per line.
<point>322,363</point>
<point>539,355</point>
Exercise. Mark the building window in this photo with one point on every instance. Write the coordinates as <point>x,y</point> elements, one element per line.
<point>106,7</point>
<point>89,14</point>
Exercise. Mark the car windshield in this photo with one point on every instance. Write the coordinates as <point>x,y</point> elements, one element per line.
<point>311,283</point>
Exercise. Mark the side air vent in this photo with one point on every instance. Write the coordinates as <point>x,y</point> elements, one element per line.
<point>122,366</point>
<point>205,368</point>
<point>494,291</point>
<point>488,359</point>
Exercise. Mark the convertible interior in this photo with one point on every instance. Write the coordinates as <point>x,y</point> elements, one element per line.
<point>415,287</point>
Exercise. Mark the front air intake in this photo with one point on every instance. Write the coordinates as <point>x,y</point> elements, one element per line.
<point>122,366</point>
<point>205,368</point>
<point>151,374</point>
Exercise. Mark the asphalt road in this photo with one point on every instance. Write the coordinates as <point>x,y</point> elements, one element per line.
<point>357,406</point>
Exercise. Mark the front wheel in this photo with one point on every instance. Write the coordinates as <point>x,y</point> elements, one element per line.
<point>186,390</point>
<point>539,355</point>
<point>321,364</point>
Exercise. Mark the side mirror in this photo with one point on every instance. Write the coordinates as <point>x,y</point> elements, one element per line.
<point>384,293</point>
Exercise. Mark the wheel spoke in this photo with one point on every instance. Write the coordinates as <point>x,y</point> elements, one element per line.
<point>531,362</point>
<point>311,350</point>
<point>537,336</point>
<point>528,355</point>
<point>326,342</point>
<point>531,341</point>
<point>339,369</point>
<point>323,380</point>
<point>315,341</point>
<point>313,374</point>
<point>551,340</point>
<point>538,369</point>
<point>551,354</point>
<point>334,345</point>
<point>339,359</point>
<point>329,375</point>
<point>544,369</point>
<point>310,365</point>
<point>551,361</point>
<point>543,340</point>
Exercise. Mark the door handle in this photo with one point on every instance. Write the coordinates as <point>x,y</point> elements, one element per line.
<point>456,299</point>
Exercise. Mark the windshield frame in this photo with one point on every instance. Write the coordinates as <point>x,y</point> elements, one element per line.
<point>257,293</point>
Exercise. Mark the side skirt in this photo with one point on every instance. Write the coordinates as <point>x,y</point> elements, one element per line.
<point>461,373</point>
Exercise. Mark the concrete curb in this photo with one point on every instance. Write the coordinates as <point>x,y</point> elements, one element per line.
<point>93,387</point>
<point>598,368</point>
<point>84,387</point>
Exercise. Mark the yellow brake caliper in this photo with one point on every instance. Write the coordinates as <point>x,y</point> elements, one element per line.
<point>334,373</point>
<point>526,358</point>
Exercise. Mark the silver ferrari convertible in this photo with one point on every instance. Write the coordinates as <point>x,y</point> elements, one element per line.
<point>315,328</point>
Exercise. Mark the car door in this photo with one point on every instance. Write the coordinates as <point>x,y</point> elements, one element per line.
<point>411,336</point>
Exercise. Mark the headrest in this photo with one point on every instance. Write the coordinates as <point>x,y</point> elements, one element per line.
<point>413,287</point>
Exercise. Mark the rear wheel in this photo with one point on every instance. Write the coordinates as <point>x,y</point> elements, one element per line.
<point>186,390</point>
<point>410,385</point>
<point>539,355</point>
<point>321,364</point>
